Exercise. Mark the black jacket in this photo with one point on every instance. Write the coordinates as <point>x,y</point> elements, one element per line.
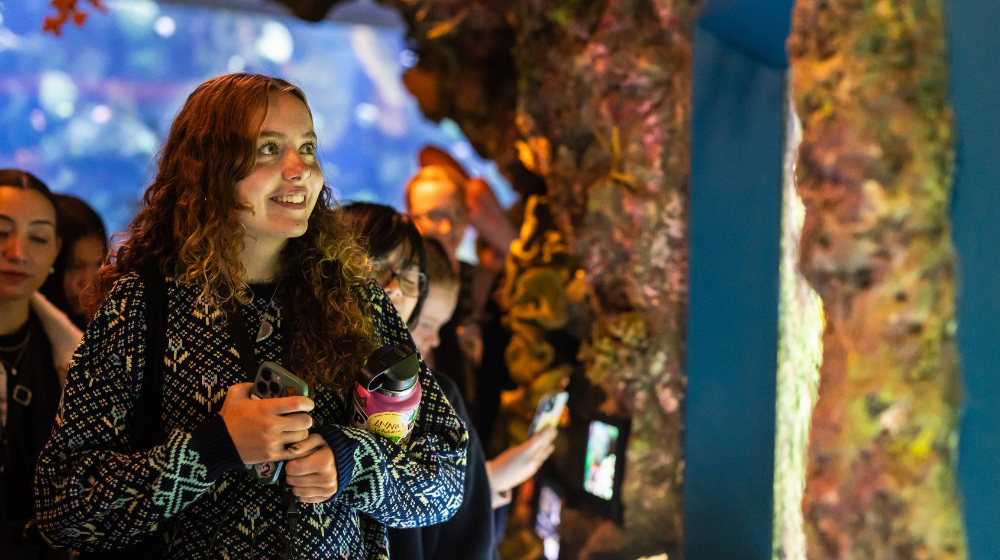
<point>468,535</point>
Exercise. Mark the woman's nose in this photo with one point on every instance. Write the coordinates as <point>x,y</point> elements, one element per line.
<point>392,287</point>
<point>295,167</point>
<point>13,247</point>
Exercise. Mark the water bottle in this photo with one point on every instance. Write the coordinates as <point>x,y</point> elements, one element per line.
<point>387,393</point>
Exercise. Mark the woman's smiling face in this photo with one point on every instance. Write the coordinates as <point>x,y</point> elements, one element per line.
<point>286,179</point>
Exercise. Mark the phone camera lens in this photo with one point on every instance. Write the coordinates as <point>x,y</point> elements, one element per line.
<point>266,375</point>
<point>262,387</point>
<point>275,388</point>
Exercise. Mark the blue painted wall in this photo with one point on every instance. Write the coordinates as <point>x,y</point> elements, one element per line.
<point>736,175</point>
<point>975,83</point>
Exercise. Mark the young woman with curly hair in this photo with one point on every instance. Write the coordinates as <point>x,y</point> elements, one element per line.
<point>240,224</point>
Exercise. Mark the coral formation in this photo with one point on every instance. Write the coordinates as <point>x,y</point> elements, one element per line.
<point>874,172</point>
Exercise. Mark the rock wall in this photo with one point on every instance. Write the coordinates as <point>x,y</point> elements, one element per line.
<point>604,108</point>
<point>874,172</point>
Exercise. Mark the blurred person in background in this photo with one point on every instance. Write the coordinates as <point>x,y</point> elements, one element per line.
<point>444,201</point>
<point>516,464</point>
<point>37,342</point>
<point>84,247</point>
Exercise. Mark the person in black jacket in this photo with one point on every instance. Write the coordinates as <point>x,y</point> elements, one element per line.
<point>36,343</point>
<point>392,239</point>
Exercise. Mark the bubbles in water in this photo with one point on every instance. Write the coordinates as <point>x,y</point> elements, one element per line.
<point>101,114</point>
<point>165,26</point>
<point>38,120</point>
<point>236,63</point>
<point>367,114</point>
<point>57,94</point>
<point>275,43</point>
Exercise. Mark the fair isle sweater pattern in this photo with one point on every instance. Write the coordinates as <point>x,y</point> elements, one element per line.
<point>93,491</point>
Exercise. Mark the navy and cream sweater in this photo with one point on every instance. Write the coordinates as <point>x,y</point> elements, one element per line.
<point>93,491</point>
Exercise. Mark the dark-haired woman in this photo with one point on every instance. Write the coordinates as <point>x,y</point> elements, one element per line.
<point>258,266</point>
<point>84,246</point>
<point>397,252</point>
<point>36,344</point>
<point>393,239</point>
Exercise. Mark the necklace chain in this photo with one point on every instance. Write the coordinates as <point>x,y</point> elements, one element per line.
<point>23,346</point>
<point>17,346</point>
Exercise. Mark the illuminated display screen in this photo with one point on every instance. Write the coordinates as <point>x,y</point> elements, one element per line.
<point>547,521</point>
<point>599,473</point>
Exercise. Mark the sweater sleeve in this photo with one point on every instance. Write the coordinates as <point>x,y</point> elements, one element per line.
<point>92,491</point>
<point>412,485</point>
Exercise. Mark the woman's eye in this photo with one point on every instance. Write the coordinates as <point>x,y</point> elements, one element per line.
<point>309,148</point>
<point>41,240</point>
<point>268,149</point>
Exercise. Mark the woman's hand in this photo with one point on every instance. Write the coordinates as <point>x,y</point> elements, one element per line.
<point>521,462</point>
<point>488,217</point>
<point>262,428</point>
<point>313,476</point>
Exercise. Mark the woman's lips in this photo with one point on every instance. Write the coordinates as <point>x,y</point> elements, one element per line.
<point>14,277</point>
<point>291,205</point>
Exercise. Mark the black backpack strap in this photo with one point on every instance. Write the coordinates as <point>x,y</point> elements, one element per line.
<point>146,430</point>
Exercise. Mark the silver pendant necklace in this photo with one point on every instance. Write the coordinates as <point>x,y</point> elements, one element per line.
<point>266,328</point>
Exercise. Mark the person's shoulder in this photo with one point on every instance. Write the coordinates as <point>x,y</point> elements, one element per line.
<point>448,386</point>
<point>127,286</point>
<point>370,292</point>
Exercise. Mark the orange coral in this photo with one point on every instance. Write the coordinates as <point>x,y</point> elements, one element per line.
<point>67,9</point>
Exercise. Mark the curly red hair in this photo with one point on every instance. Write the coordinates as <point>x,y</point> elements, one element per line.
<point>189,229</point>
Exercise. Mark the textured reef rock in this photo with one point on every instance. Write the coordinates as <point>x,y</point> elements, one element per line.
<point>466,69</point>
<point>874,172</point>
<point>604,111</point>
<point>601,92</point>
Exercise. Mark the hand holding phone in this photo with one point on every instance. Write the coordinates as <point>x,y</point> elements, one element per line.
<point>549,411</point>
<point>262,428</point>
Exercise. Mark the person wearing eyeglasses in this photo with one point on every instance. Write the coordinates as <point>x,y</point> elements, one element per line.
<point>444,200</point>
<point>395,246</point>
<point>397,251</point>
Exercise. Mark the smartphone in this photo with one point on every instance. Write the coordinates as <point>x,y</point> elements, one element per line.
<point>550,409</point>
<point>274,381</point>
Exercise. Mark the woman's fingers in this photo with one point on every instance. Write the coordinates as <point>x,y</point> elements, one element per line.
<point>306,444</point>
<point>288,405</point>
<point>316,496</point>
<point>317,480</point>
<point>293,439</point>
<point>313,477</point>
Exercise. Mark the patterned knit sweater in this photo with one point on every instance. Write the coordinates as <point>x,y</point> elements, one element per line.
<point>93,491</point>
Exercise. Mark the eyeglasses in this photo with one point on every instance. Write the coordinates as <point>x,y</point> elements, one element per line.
<point>412,283</point>
<point>439,215</point>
